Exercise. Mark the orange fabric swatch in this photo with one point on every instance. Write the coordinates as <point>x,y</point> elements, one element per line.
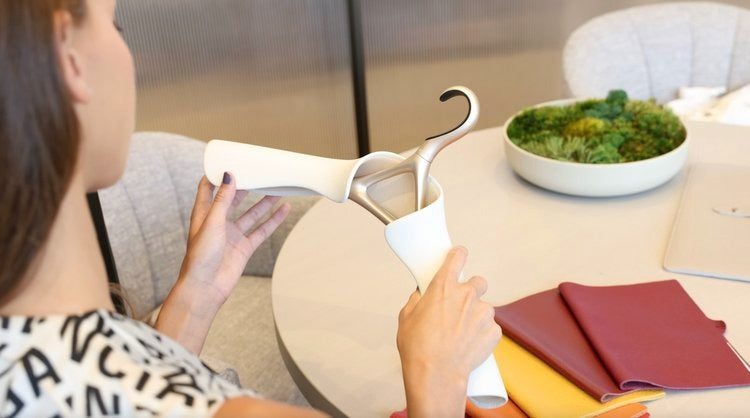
<point>509,410</point>
<point>635,410</point>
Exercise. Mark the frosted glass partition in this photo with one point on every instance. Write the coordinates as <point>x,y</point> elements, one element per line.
<point>278,72</point>
<point>273,73</point>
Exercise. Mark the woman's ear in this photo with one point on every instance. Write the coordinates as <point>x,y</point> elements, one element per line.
<point>69,58</point>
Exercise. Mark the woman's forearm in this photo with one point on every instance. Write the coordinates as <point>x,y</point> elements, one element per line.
<point>187,315</point>
<point>430,393</point>
<point>262,408</point>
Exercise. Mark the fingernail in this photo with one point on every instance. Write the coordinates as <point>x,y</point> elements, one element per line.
<point>227,178</point>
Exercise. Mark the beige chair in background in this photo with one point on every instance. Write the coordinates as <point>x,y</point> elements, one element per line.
<point>652,51</point>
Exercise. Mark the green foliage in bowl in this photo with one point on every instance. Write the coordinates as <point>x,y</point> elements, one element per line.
<point>611,130</point>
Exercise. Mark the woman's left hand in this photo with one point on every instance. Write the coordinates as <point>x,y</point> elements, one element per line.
<point>219,248</point>
<point>217,251</point>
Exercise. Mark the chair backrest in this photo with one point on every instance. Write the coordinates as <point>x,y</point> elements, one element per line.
<point>147,214</point>
<point>651,51</point>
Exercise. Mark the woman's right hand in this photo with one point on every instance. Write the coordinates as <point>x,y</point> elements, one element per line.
<point>442,336</point>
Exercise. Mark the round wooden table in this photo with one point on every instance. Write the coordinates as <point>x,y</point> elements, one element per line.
<point>337,288</point>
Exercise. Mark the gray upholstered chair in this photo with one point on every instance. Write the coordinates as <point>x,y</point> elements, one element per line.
<point>651,51</point>
<point>147,214</point>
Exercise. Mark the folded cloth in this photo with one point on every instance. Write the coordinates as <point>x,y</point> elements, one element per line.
<point>634,410</point>
<point>544,325</point>
<point>542,392</point>
<point>654,333</point>
<point>509,410</point>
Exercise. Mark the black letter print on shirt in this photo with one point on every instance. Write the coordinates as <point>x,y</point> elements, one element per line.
<point>77,350</point>
<point>102,368</point>
<point>173,385</point>
<point>34,378</point>
<point>17,403</point>
<point>94,395</point>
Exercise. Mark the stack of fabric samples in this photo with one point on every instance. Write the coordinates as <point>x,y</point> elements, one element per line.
<point>581,351</point>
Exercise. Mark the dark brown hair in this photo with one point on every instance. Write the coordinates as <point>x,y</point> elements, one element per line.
<point>39,132</point>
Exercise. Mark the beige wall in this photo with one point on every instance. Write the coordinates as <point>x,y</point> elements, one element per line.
<point>277,73</point>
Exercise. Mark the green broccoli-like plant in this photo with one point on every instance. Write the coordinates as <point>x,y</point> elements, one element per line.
<point>599,131</point>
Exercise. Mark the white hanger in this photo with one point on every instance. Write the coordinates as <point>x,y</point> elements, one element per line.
<point>417,235</point>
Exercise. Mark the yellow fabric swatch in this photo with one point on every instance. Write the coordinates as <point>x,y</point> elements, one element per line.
<point>543,392</point>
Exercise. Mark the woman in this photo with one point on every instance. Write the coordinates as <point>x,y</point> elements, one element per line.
<point>67,101</point>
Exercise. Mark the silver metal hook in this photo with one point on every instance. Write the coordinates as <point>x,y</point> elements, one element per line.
<point>418,163</point>
<point>434,144</point>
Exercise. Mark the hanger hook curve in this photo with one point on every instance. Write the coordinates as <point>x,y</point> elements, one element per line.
<point>434,144</point>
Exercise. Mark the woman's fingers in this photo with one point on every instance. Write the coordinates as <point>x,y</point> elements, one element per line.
<point>479,285</point>
<point>264,230</point>
<point>492,334</point>
<point>487,330</point>
<point>239,197</point>
<point>487,339</point>
<point>248,219</point>
<point>485,315</point>
<point>450,271</point>
<point>410,304</point>
<point>203,199</point>
<point>222,202</point>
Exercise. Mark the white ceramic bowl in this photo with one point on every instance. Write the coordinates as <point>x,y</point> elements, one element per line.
<point>596,180</point>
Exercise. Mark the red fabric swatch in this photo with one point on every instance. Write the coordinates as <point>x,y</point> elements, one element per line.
<point>654,333</point>
<point>544,325</point>
<point>509,410</point>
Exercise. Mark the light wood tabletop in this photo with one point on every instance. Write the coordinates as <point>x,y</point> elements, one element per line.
<point>337,288</point>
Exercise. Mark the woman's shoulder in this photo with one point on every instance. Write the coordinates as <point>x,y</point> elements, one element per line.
<point>101,363</point>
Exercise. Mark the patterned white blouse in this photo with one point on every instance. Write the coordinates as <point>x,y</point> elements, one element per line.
<point>102,363</point>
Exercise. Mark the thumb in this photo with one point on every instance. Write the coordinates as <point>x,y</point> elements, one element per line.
<point>223,199</point>
<point>410,304</point>
<point>414,298</point>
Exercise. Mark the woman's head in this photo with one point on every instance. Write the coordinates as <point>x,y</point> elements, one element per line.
<point>67,105</point>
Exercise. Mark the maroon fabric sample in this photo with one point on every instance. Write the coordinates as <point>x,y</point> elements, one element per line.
<point>654,333</point>
<point>543,325</point>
